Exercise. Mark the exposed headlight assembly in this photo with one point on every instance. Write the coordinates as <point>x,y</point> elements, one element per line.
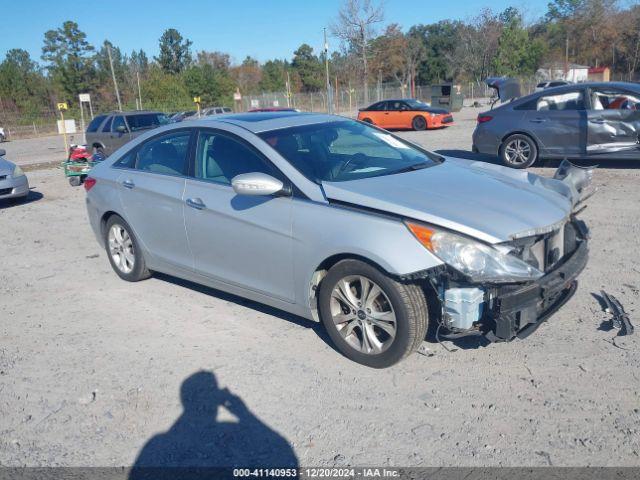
<point>17,172</point>
<point>477,260</point>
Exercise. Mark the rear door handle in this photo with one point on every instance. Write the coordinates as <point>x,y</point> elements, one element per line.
<point>196,203</point>
<point>538,120</point>
<point>598,120</point>
<point>128,184</point>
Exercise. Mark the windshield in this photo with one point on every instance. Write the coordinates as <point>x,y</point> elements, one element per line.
<point>342,151</point>
<point>146,120</point>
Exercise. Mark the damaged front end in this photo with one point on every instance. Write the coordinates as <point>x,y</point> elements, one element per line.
<point>503,310</point>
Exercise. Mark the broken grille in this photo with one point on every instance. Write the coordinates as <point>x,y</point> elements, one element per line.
<point>545,252</point>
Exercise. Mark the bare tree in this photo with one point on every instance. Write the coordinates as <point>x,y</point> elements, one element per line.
<point>477,45</point>
<point>356,23</point>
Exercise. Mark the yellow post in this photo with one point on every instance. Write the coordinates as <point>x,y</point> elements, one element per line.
<point>196,100</point>
<point>62,107</point>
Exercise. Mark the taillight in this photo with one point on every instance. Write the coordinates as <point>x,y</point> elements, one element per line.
<point>482,118</point>
<point>89,182</point>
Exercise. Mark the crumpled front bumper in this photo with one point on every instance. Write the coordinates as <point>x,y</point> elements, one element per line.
<point>517,311</point>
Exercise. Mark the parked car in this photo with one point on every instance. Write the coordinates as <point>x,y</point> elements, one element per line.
<point>215,111</point>
<point>550,84</point>
<point>106,133</point>
<point>180,116</point>
<point>333,219</point>
<point>595,121</point>
<point>405,113</point>
<point>13,181</point>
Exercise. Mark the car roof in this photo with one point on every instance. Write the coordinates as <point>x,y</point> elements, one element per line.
<point>573,86</point>
<point>569,88</point>
<point>132,112</point>
<point>258,122</point>
<point>395,100</point>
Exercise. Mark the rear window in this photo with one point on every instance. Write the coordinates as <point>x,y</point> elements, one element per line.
<point>146,120</point>
<point>95,123</point>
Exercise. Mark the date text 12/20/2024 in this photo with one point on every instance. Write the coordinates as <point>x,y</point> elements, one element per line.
<point>364,473</point>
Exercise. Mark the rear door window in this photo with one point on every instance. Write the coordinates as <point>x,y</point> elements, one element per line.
<point>563,101</point>
<point>166,154</point>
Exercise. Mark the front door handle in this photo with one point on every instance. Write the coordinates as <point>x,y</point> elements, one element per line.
<point>538,120</point>
<point>128,184</point>
<point>598,120</point>
<point>196,203</point>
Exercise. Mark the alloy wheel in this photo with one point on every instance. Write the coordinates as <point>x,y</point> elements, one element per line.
<point>517,152</point>
<point>121,248</point>
<point>363,315</point>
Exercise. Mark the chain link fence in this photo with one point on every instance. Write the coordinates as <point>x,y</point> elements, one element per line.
<point>346,100</point>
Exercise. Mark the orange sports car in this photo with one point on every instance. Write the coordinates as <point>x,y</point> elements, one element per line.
<point>405,113</point>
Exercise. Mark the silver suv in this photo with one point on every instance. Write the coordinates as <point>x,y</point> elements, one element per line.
<point>106,133</point>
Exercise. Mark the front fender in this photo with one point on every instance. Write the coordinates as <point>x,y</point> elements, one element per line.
<point>322,231</point>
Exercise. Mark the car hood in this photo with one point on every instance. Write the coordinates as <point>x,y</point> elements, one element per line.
<point>489,202</point>
<point>6,167</point>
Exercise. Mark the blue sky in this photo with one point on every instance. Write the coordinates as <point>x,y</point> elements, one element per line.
<point>261,28</point>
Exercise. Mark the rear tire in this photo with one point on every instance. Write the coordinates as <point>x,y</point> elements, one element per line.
<point>372,318</point>
<point>518,151</point>
<point>123,250</point>
<point>419,123</point>
<point>75,181</point>
<point>368,120</point>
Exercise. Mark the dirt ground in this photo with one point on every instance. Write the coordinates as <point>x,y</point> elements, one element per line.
<point>91,367</point>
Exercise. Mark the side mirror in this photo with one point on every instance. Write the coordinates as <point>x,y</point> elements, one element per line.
<point>121,129</point>
<point>2,152</point>
<point>256,184</point>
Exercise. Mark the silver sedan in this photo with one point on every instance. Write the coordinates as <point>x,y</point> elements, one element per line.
<point>338,221</point>
<point>13,181</point>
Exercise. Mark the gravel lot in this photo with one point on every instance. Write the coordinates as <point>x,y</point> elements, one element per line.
<point>91,367</point>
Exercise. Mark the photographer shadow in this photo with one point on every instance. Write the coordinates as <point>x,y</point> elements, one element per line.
<point>197,442</point>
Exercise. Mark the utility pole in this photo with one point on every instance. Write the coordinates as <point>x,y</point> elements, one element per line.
<point>566,58</point>
<point>289,97</point>
<point>113,75</point>
<point>326,67</point>
<point>139,94</point>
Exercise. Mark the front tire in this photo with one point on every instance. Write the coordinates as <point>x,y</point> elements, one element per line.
<point>518,151</point>
<point>372,318</point>
<point>123,250</point>
<point>419,123</point>
<point>367,120</point>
